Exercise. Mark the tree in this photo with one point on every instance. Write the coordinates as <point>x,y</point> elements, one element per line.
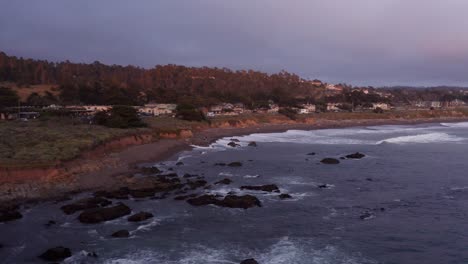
<point>189,112</point>
<point>119,117</point>
<point>8,97</point>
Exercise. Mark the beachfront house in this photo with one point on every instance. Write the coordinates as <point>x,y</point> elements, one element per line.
<point>333,107</point>
<point>382,106</point>
<point>307,109</point>
<point>157,109</point>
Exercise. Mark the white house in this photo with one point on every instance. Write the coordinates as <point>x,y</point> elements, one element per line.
<point>382,106</point>
<point>333,107</point>
<point>158,109</point>
<point>307,109</point>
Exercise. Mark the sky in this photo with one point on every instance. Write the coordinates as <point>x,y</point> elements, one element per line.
<point>360,42</point>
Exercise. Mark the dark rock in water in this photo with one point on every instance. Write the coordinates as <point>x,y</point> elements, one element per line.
<point>369,179</point>
<point>98,215</point>
<point>252,144</point>
<point>231,201</point>
<point>121,194</point>
<point>265,188</point>
<point>330,161</point>
<point>245,201</point>
<point>311,154</point>
<point>235,164</point>
<point>196,184</point>
<point>121,234</point>
<point>342,158</point>
<point>141,216</point>
<point>235,140</point>
<point>9,212</point>
<point>8,216</point>
<point>143,193</point>
<point>220,164</point>
<point>356,155</point>
<point>50,223</point>
<point>180,163</point>
<point>323,186</point>
<point>187,175</point>
<point>83,204</point>
<point>56,254</point>
<point>249,261</point>
<point>150,170</point>
<point>284,196</point>
<point>203,200</point>
<point>169,175</point>
<point>224,181</point>
<point>232,144</point>
<point>92,254</point>
<point>366,216</point>
<point>184,197</point>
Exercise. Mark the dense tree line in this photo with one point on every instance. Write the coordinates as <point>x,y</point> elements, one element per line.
<point>97,83</point>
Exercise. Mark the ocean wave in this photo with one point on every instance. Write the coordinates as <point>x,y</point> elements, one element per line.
<point>460,124</point>
<point>285,251</point>
<point>422,138</point>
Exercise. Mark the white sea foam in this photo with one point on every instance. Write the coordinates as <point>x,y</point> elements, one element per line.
<point>422,138</point>
<point>285,251</point>
<point>461,124</point>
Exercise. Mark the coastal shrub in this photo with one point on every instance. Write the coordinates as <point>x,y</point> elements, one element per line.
<point>8,97</point>
<point>119,117</point>
<point>189,112</point>
<point>288,112</point>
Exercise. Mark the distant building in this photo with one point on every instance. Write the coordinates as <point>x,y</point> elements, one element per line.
<point>436,104</point>
<point>307,109</point>
<point>158,109</point>
<point>333,107</point>
<point>97,108</point>
<point>382,106</point>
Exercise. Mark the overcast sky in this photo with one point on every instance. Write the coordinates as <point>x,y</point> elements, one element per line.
<point>367,42</point>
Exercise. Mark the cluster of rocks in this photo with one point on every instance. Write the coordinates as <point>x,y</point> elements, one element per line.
<point>235,143</point>
<point>356,155</point>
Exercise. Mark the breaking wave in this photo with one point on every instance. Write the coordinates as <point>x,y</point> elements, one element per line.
<point>422,138</point>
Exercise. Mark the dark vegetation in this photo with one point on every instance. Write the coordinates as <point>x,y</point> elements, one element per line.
<point>119,117</point>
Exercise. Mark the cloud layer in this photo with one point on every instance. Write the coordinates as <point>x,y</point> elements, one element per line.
<point>385,42</point>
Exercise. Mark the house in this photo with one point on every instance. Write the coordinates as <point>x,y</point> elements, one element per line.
<point>97,108</point>
<point>157,109</point>
<point>307,109</point>
<point>382,106</point>
<point>333,107</point>
<point>436,104</point>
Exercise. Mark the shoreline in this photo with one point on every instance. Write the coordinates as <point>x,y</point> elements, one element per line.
<point>125,162</point>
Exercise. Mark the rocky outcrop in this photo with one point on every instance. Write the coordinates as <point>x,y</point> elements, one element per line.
<point>284,196</point>
<point>142,216</point>
<point>356,155</point>
<point>265,188</point>
<point>330,161</point>
<point>233,144</point>
<point>121,234</point>
<point>83,204</point>
<point>56,254</point>
<point>196,184</point>
<point>98,215</point>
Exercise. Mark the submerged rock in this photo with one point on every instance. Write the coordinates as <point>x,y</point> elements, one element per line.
<point>265,188</point>
<point>249,261</point>
<point>232,144</point>
<point>284,196</point>
<point>224,181</point>
<point>8,216</point>
<point>56,254</point>
<point>252,144</point>
<point>180,163</point>
<point>231,201</point>
<point>83,204</point>
<point>203,200</point>
<point>196,184</point>
<point>143,193</point>
<point>121,234</point>
<point>311,154</point>
<point>234,201</point>
<point>121,194</point>
<point>235,140</point>
<point>141,216</point>
<point>235,164</point>
<point>366,216</point>
<point>330,161</point>
<point>220,164</point>
<point>356,155</point>
<point>98,215</point>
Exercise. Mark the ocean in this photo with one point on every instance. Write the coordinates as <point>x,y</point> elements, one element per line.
<point>405,202</point>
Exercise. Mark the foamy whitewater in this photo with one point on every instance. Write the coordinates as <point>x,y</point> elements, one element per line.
<point>406,202</point>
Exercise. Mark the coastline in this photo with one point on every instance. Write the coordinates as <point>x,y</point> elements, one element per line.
<point>123,163</point>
